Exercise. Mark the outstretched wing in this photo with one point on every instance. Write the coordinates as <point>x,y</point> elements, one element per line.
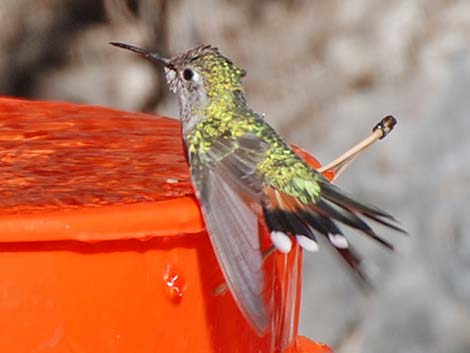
<point>229,189</point>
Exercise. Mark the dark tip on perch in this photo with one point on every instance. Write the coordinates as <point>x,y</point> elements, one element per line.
<point>386,125</point>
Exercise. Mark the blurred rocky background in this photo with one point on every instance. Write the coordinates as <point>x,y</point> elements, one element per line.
<point>324,72</point>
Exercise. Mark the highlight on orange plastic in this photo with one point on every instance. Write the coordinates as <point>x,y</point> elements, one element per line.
<point>103,248</point>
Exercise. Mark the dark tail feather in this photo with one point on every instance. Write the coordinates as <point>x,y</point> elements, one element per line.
<point>332,193</point>
<point>273,221</point>
<point>344,215</point>
<point>287,222</point>
<point>321,216</point>
<point>298,226</point>
<point>327,227</point>
<point>320,223</point>
<point>354,260</point>
<point>386,223</point>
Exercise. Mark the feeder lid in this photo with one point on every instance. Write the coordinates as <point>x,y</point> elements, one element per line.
<point>70,171</point>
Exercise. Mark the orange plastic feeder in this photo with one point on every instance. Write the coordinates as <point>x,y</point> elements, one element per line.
<point>103,248</point>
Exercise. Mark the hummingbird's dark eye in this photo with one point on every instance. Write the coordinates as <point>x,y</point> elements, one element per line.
<point>188,74</point>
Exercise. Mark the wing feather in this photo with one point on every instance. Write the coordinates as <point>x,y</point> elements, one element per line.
<point>233,230</point>
<point>226,185</point>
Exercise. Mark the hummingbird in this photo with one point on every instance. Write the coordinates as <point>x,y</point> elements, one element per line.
<point>245,174</point>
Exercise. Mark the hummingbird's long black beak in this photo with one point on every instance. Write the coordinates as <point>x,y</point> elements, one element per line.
<point>145,53</point>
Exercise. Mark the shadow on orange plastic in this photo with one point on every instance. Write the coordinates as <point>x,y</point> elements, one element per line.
<point>102,246</point>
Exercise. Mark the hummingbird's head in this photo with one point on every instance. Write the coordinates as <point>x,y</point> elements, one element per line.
<point>198,75</point>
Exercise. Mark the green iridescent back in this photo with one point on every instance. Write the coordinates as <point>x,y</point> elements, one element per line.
<point>227,116</point>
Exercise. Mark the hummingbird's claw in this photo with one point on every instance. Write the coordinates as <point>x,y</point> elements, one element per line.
<point>220,289</point>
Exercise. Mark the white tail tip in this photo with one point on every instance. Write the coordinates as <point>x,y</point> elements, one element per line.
<point>338,240</point>
<point>281,241</point>
<point>307,243</point>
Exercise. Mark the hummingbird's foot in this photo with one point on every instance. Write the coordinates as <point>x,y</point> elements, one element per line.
<point>220,289</point>
<point>380,130</point>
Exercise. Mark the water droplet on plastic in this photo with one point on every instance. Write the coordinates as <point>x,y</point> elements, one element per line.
<point>174,284</point>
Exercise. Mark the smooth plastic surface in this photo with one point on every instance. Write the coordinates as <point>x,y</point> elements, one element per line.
<point>102,246</point>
